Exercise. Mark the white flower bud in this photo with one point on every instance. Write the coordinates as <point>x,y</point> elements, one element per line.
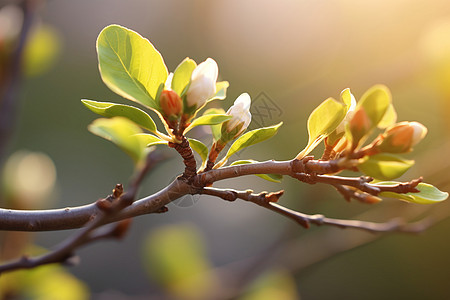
<point>419,133</point>
<point>203,83</point>
<point>241,117</point>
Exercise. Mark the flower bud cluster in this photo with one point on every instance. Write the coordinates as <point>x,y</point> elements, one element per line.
<point>177,108</point>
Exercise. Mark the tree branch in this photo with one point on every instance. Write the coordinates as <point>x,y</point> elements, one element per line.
<point>267,200</point>
<point>76,217</point>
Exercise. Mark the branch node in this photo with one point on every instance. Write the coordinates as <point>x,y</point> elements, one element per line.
<point>274,196</point>
<point>162,210</point>
<point>306,178</point>
<point>104,205</point>
<point>299,166</point>
<point>118,191</point>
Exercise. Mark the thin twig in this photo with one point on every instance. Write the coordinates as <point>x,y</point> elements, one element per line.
<point>267,200</point>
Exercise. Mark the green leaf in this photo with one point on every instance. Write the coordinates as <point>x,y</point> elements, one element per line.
<point>215,129</point>
<point>210,119</point>
<point>428,194</point>
<point>201,149</point>
<point>347,98</point>
<point>250,138</point>
<point>149,139</point>
<point>182,76</point>
<point>130,65</point>
<point>270,177</point>
<point>121,132</point>
<point>376,102</point>
<point>389,118</point>
<point>134,114</point>
<point>322,122</point>
<point>221,91</point>
<point>385,166</point>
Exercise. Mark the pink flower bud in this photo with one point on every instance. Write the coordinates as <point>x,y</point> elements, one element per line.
<point>203,83</point>
<point>170,103</point>
<point>359,126</point>
<point>401,137</point>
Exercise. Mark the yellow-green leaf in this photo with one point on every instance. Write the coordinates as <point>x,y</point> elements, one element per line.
<point>215,129</point>
<point>389,118</point>
<point>250,138</point>
<point>208,119</point>
<point>221,91</point>
<point>347,98</point>
<point>269,177</point>
<point>201,149</point>
<point>134,114</point>
<point>149,139</point>
<point>322,122</point>
<point>182,76</point>
<point>130,65</point>
<point>428,194</point>
<point>376,102</point>
<point>121,132</point>
<point>385,166</point>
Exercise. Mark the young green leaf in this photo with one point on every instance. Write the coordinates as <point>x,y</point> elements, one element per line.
<point>182,76</point>
<point>270,177</point>
<point>215,129</point>
<point>221,88</point>
<point>130,65</point>
<point>389,118</point>
<point>347,98</point>
<point>428,193</point>
<point>385,166</point>
<point>250,138</point>
<point>376,102</point>
<point>201,149</point>
<point>149,139</point>
<point>212,119</point>
<point>322,122</point>
<point>134,114</point>
<point>121,132</point>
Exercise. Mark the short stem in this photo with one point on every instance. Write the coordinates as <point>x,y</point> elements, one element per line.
<point>185,151</point>
<point>216,148</point>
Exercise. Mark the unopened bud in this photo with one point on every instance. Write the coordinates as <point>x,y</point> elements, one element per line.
<point>241,117</point>
<point>203,83</point>
<point>401,137</point>
<point>171,104</point>
<point>359,126</point>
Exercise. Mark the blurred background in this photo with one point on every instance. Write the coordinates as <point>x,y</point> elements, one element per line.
<point>289,56</point>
